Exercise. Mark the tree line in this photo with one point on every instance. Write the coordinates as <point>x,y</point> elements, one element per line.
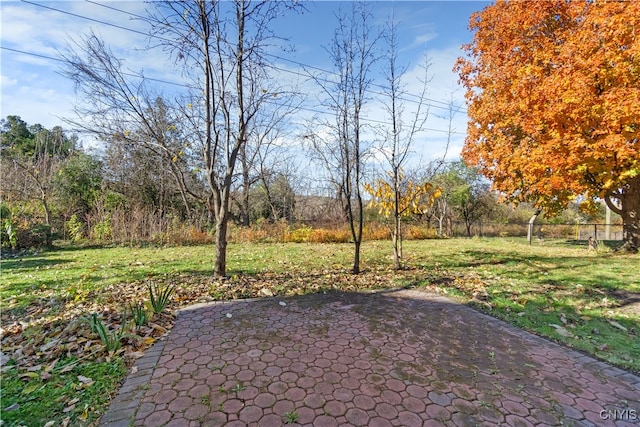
<point>220,149</point>
<point>53,188</point>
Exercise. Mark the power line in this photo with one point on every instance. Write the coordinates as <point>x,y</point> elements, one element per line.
<point>305,66</point>
<point>52,58</point>
<point>431,102</point>
<point>374,84</point>
<point>84,17</point>
<point>116,9</point>
<point>307,109</point>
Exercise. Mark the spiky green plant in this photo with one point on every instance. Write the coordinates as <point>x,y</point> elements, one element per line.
<point>160,296</point>
<point>138,314</point>
<point>110,339</point>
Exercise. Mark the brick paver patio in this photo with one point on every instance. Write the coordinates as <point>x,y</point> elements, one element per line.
<point>401,358</point>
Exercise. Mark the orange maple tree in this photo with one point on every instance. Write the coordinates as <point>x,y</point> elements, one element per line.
<point>553,91</point>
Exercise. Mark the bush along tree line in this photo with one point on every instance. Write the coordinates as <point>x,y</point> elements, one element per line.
<point>54,189</point>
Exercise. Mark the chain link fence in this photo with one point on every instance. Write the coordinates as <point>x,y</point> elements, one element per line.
<point>577,231</point>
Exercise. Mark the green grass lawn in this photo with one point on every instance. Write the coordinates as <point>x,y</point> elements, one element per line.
<point>556,289</point>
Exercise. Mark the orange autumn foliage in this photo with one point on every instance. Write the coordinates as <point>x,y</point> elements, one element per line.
<point>553,91</point>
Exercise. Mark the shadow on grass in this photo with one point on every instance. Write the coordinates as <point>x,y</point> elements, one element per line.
<point>594,335</point>
<point>597,276</point>
<point>31,262</point>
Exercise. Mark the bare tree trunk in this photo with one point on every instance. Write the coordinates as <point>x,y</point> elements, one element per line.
<point>629,210</point>
<point>246,187</point>
<point>45,207</point>
<point>397,244</point>
<point>220,265</point>
<point>531,224</point>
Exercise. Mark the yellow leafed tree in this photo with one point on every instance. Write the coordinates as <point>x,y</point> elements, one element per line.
<point>400,197</point>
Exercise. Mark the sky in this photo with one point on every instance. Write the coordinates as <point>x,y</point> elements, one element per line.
<point>34,33</point>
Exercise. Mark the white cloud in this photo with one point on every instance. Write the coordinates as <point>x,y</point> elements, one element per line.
<point>7,81</point>
<point>33,88</point>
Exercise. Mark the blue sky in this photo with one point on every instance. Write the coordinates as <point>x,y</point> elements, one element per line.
<point>32,34</point>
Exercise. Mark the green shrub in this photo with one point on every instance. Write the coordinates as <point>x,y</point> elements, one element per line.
<point>139,315</point>
<point>9,237</point>
<point>75,228</point>
<point>35,235</point>
<point>102,230</point>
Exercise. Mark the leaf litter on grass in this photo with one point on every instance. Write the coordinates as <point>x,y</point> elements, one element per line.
<point>36,341</point>
<point>50,330</point>
<point>37,336</point>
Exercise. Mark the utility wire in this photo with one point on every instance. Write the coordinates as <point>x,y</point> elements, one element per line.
<point>305,66</point>
<point>446,106</point>
<point>52,58</point>
<point>116,9</point>
<point>307,109</point>
<point>85,17</point>
<point>187,86</point>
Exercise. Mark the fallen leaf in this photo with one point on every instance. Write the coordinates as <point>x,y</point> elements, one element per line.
<point>617,325</point>
<point>48,346</point>
<point>68,367</point>
<point>266,292</point>
<point>136,354</point>
<point>12,407</point>
<point>158,327</point>
<point>51,365</point>
<point>84,380</point>
<point>30,375</point>
<point>30,388</point>
<point>85,413</point>
<point>560,330</point>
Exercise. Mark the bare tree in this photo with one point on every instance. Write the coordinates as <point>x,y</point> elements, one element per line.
<point>221,46</point>
<point>264,156</point>
<point>30,160</point>
<point>399,136</point>
<point>120,109</point>
<point>225,43</point>
<point>343,151</point>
